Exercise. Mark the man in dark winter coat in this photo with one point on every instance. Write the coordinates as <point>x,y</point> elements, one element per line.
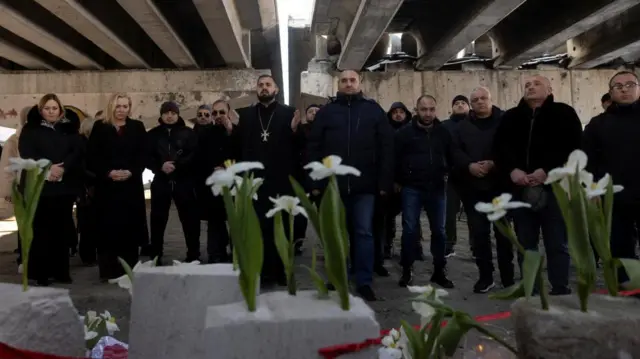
<point>423,158</point>
<point>478,182</point>
<point>535,137</point>
<point>356,129</point>
<point>214,147</point>
<point>611,144</point>
<point>459,110</point>
<point>172,148</point>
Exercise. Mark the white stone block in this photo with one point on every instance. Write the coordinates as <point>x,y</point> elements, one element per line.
<point>169,305</point>
<point>286,327</point>
<point>42,320</point>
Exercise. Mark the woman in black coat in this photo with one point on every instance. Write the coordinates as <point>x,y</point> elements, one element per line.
<point>46,136</point>
<point>116,155</point>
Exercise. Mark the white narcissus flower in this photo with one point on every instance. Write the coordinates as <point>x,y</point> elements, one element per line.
<point>389,353</point>
<point>288,204</point>
<point>89,334</point>
<point>226,177</point>
<point>577,161</point>
<point>597,189</point>
<point>125,282</point>
<point>331,165</point>
<point>394,334</point>
<point>178,263</point>
<point>425,310</point>
<point>238,183</point>
<point>499,206</point>
<point>17,164</point>
<point>112,327</point>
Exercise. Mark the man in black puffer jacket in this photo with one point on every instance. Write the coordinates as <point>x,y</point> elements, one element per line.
<point>423,158</point>
<point>172,147</point>
<point>533,138</point>
<point>356,129</point>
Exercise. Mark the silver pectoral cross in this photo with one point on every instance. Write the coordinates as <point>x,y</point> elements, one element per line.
<point>265,135</point>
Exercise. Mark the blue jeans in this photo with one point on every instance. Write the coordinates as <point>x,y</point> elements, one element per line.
<point>359,212</point>
<point>528,225</point>
<point>434,203</point>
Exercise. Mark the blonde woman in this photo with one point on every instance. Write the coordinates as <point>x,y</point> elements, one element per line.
<point>116,155</point>
<point>45,136</point>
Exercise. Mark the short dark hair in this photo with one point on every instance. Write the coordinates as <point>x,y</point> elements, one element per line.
<point>625,72</point>
<point>605,98</point>
<point>222,101</point>
<point>425,96</point>
<point>264,76</point>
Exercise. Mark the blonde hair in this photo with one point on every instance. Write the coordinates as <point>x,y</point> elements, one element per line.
<point>86,126</point>
<point>109,117</point>
<point>49,97</point>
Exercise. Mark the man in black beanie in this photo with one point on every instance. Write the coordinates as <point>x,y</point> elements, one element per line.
<point>459,111</point>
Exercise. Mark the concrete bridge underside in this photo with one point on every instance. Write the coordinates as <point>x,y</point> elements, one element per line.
<point>592,33</point>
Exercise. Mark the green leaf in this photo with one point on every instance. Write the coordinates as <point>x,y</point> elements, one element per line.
<point>530,266</point>
<point>436,304</point>
<point>505,228</point>
<point>318,281</point>
<point>416,341</point>
<point>597,229</point>
<point>312,210</point>
<point>513,292</point>
<point>452,334</point>
<point>579,242</point>
<point>250,249</point>
<point>334,249</point>
<point>632,267</point>
<point>608,210</point>
<point>127,268</point>
<point>435,326</point>
<point>282,244</point>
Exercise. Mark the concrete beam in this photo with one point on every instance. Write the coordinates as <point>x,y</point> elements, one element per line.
<point>159,30</point>
<point>607,41</point>
<point>21,57</point>
<point>518,44</point>
<point>76,16</point>
<point>332,17</point>
<point>23,27</point>
<point>223,22</point>
<point>369,24</point>
<point>465,30</point>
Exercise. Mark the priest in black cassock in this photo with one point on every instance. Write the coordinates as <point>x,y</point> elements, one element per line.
<point>266,133</point>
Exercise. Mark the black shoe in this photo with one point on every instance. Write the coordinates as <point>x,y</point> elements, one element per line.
<point>440,278</point>
<point>381,271</point>
<point>450,253</point>
<point>407,278</point>
<point>366,293</point>
<point>43,282</point>
<point>560,291</point>
<point>63,280</point>
<point>484,285</point>
<point>190,259</point>
<point>506,283</point>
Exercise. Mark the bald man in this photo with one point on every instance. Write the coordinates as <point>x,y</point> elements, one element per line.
<point>533,138</point>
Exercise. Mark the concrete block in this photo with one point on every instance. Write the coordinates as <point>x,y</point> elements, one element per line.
<point>42,320</point>
<point>287,326</point>
<point>609,330</point>
<point>169,305</point>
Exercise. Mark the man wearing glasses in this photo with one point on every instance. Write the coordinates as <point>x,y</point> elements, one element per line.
<point>213,126</point>
<point>610,140</point>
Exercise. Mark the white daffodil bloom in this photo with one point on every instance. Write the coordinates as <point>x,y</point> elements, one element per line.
<point>125,282</point>
<point>226,177</point>
<point>17,164</point>
<point>92,317</point>
<point>89,334</point>
<point>597,189</point>
<point>394,334</point>
<point>389,353</point>
<point>238,183</point>
<point>288,204</point>
<point>425,310</point>
<point>112,327</point>
<point>499,206</point>
<point>331,165</point>
<point>577,161</point>
<point>178,263</point>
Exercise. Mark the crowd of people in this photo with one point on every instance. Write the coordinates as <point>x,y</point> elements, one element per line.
<point>409,161</point>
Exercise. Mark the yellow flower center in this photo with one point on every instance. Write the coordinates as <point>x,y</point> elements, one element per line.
<point>112,320</point>
<point>594,186</point>
<point>496,201</point>
<point>229,163</point>
<point>327,162</point>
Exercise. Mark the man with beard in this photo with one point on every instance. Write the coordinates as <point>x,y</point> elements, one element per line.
<point>213,128</point>
<point>172,148</point>
<point>266,133</point>
<point>459,111</point>
<point>423,151</point>
<point>356,129</point>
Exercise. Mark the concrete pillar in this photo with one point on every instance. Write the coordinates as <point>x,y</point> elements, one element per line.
<point>519,43</point>
<point>369,24</point>
<point>475,22</point>
<point>321,47</point>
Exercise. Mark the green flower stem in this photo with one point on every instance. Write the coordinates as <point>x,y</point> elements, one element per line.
<point>291,281</point>
<point>506,229</point>
<point>544,296</point>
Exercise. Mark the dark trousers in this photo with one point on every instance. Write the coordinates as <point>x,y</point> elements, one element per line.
<point>300,224</point>
<point>86,213</point>
<point>434,203</point>
<point>183,194</point>
<point>217,232</point>
<point>624,220</point>
<point>359,212</point>
<point>272,267</point>
<point>453,209</point>
<point>384,225</point>
<point>548,219</point>
<point>480,235</point>
<point>49,253</point>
